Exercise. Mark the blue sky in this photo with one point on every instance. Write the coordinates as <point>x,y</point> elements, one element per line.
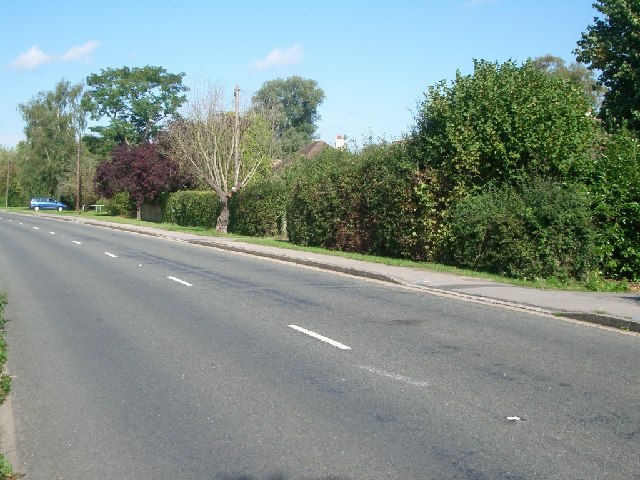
<point>373,59</point>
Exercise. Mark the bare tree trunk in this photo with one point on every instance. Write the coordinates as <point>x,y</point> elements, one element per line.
<point>223,218</point>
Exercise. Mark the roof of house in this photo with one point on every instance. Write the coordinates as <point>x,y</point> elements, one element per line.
<point>308,151</point>
<point>312,149</point>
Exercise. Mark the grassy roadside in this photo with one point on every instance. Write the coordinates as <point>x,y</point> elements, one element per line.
<point>593,284</point>
<point>6,470</point>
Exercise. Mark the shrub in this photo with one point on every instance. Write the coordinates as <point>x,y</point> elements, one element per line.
<point>385,214</point>
<point>259,209</point>
<point>192,209</point>
<point>540,230</point>
<point>120,205</point>
<point>370,202</point>
<point>616,193</point>
<point>5,380</point>
<point>314,207</point>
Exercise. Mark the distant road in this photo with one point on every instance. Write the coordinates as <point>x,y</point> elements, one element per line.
<point>141,358</point>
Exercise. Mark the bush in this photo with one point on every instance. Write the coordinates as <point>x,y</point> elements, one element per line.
<point>259,209</point>
<point>120,205</point>
<point>616,192</point>
<point>5,380</point>
<point>192,209</point>
<point>385,214</point>
<point>370,202</point>
<point>314,207</point>
<point>540,230</point>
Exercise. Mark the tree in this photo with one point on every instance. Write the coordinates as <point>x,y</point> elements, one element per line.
<point>575,72</point>
<point>137,102</point>
<point>612,46</point>
<point>8,177</point>
<point>47,153</point>
<point>297,100</point>
<point>503,124</point>
<point>223,150</point>
<point>141,171</point>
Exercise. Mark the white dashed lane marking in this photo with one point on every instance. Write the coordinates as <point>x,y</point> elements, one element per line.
<point>320,337</point>
<point>76,242</point>
<point>187,284</point>
<point>395,376</point>
<point>108,254</point>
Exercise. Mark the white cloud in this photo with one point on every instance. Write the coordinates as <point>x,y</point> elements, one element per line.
<point>278,58</point>
<point>34,57</point>
<point>31,59</point>
<point>83,52</point>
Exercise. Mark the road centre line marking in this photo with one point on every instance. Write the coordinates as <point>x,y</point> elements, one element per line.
<point>52,233</point>
<point>110,255</point>
<point>76,242</point>
<point>36,228</point>
<point>180,281</point>
<point>395,376</point>
<point>320,337</point>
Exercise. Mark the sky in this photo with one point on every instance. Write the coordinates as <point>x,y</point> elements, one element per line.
<point>373,59</point>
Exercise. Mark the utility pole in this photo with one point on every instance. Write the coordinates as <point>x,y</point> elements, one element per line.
<point>6,195</point>
<point>78,174</point>
<point>236,136</point>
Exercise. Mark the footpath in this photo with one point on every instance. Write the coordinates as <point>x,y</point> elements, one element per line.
<point>618,310</point>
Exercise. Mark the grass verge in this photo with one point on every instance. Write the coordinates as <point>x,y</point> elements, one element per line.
<point>6,470</point>
<point>593,284</point>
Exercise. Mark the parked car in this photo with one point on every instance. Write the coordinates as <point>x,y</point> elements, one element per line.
<point>43,203</point>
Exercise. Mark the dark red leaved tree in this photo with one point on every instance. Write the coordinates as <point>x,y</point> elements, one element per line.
<point>141,171</point>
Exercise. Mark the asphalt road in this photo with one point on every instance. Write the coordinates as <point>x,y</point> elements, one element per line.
<point>142,358</point>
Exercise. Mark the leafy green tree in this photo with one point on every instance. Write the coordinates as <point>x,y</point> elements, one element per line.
<point>575,72</point>
<point>612,46</point>
<point>502,124</point>
<point>12,194</point>
<point>297,99</point>
<point>47,155</point>
<point>137,102</point>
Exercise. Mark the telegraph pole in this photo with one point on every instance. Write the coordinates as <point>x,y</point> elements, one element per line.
<point>6,195</point>
<point>236,135</point>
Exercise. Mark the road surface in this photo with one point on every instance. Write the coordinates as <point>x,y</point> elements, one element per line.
<point>141,358</point>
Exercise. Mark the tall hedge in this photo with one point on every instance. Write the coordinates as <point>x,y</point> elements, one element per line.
<point>368,202</point>
<point>314,207</point>
<point>192,209</point>
<point>385,215</point>
<point>616,192</point>
<point>541,229</point>
<point>259,209</point>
